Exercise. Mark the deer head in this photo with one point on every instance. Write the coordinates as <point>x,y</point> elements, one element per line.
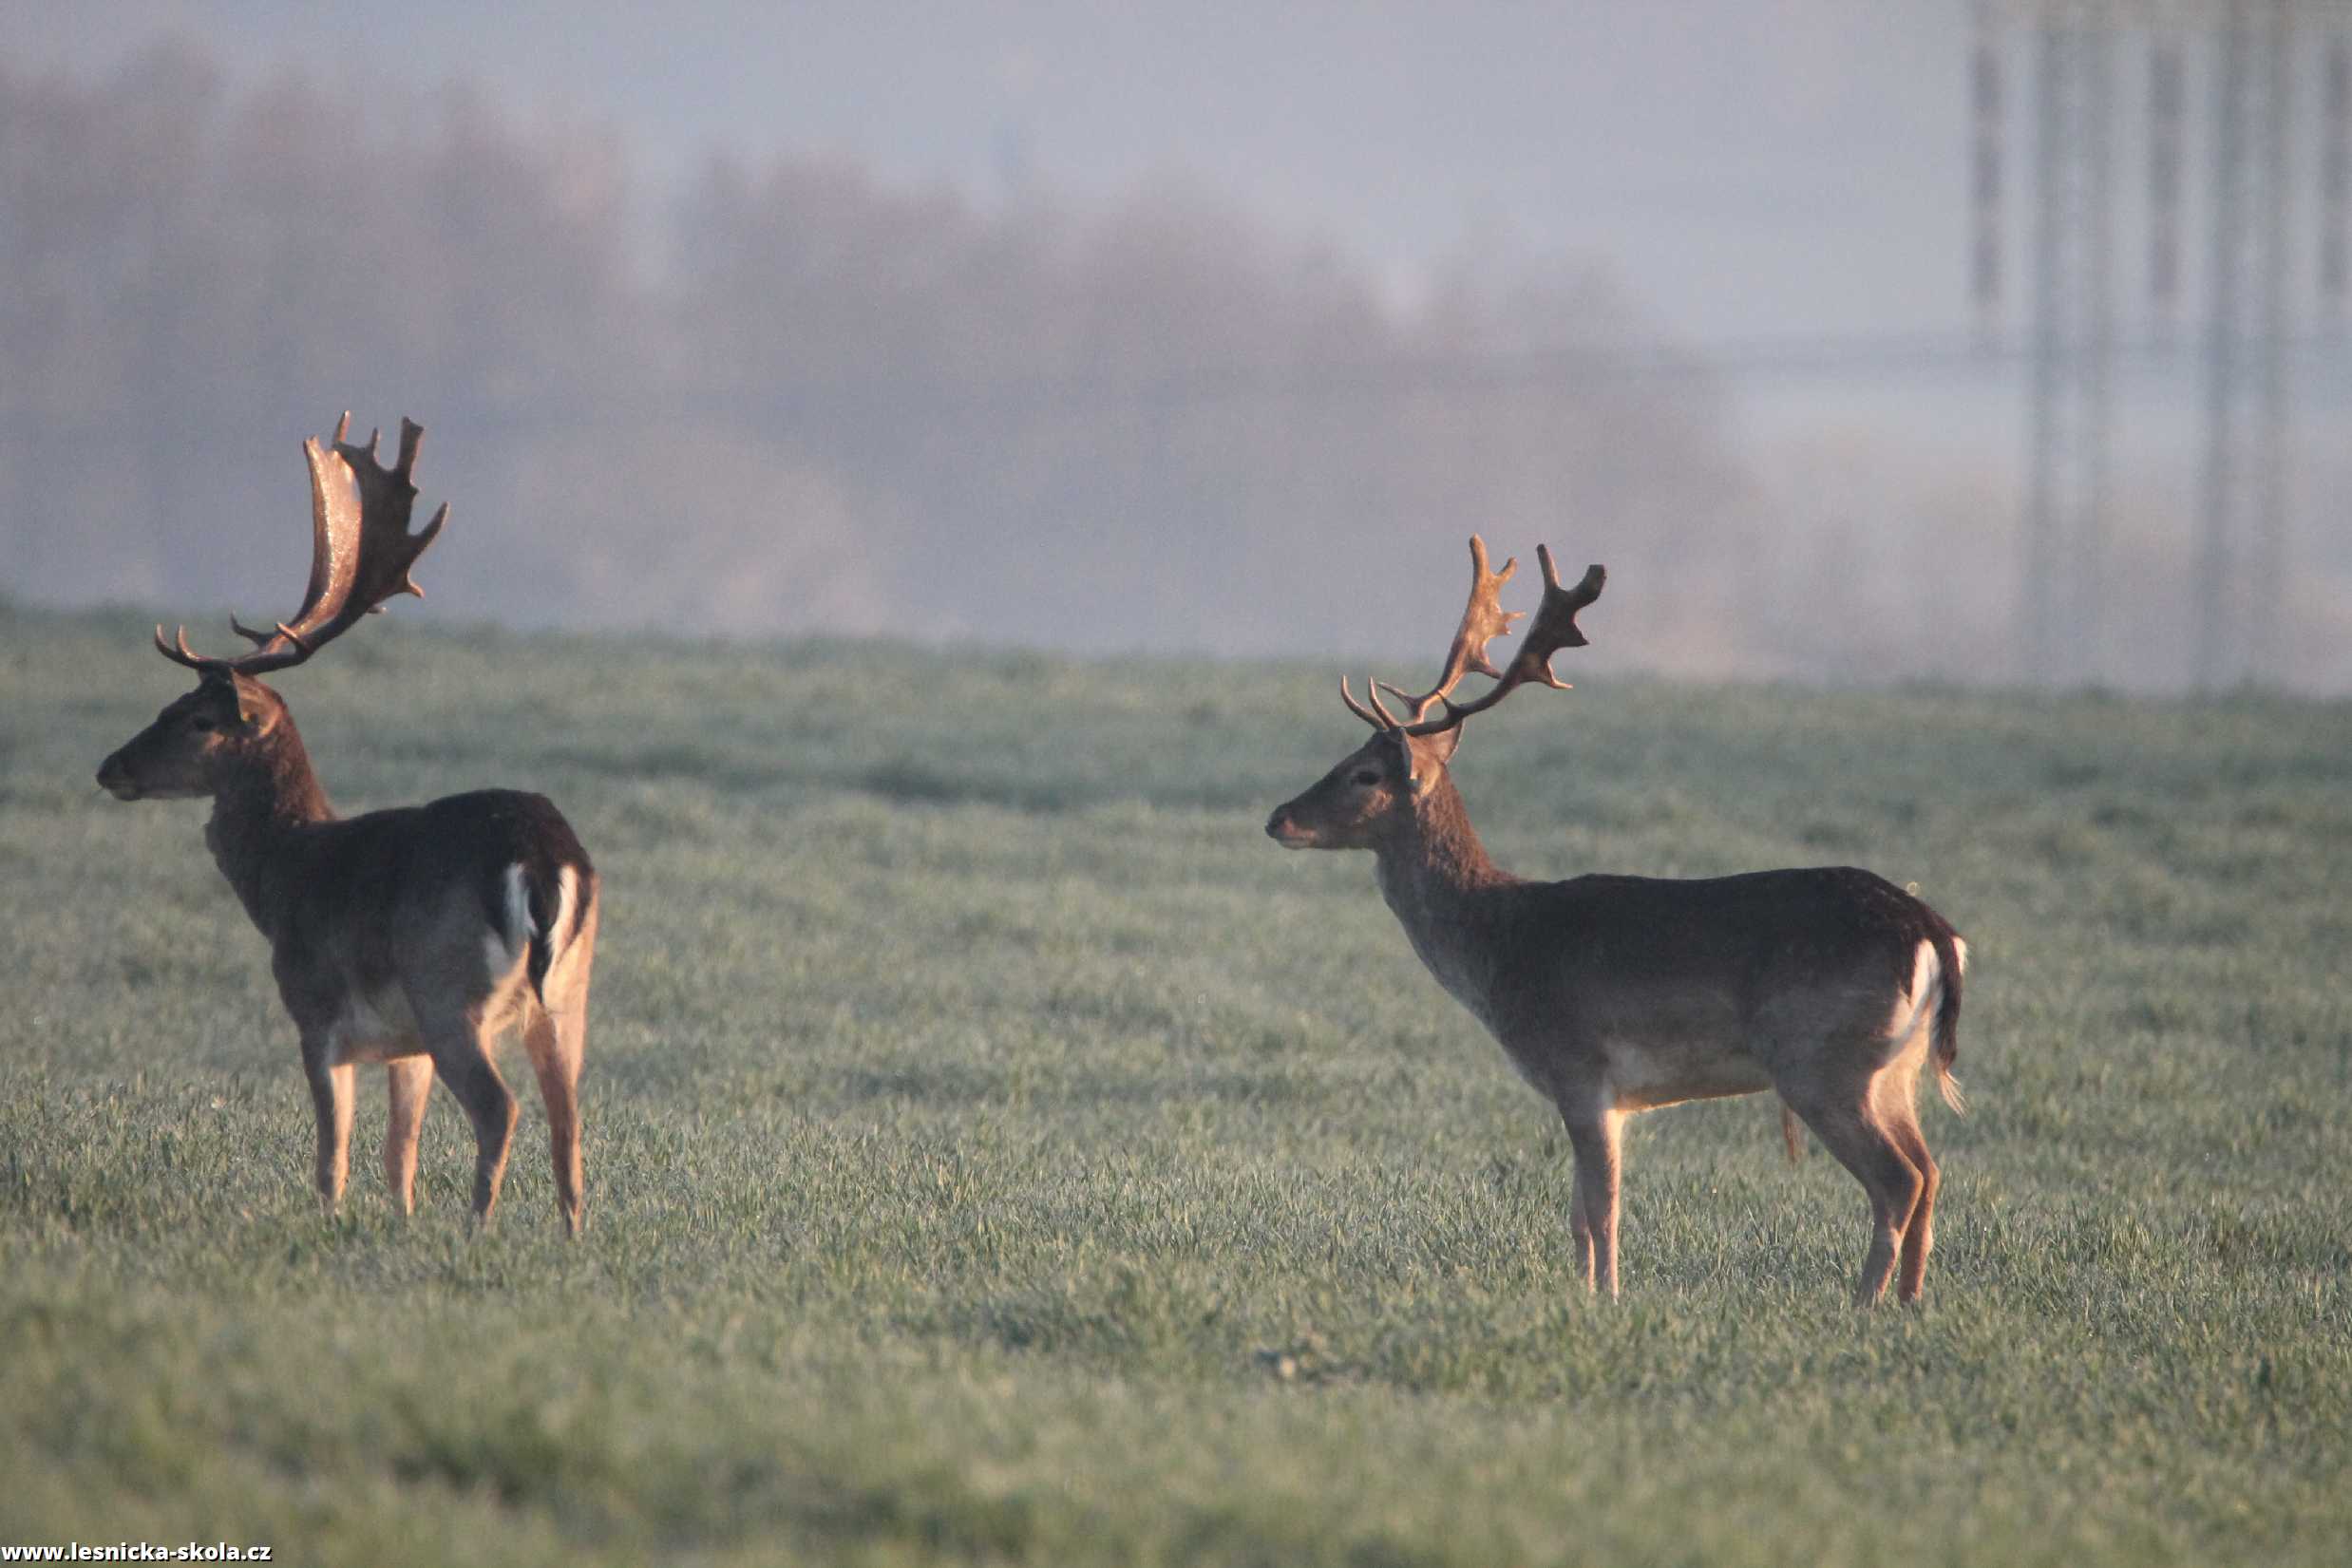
<point>1379,784</point>
<point>361,551</point>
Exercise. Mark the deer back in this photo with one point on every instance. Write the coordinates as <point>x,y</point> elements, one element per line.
<point>438,899</point>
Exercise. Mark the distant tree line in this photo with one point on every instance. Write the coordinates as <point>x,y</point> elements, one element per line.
<point>791,397</point>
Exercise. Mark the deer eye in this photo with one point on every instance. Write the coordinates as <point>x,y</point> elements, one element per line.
<point>201,722</point>
<point>1367,776</point>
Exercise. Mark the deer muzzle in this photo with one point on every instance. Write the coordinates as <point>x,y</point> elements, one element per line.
<point>1284,830</point>
<point>113,777</point>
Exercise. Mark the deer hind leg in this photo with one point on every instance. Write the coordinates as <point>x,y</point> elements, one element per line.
<point>459,1042</point>
<point>1919,1235</point>
<point>1845,1118</point>
<point>554,1031</point>
<point>331,1100</point>
<point>555,1041</point>
<point>412,1084</point>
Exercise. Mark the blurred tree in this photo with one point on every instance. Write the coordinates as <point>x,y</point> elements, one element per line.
<point>812,402</point>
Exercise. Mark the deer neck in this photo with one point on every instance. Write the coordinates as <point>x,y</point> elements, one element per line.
<point>262,812</point>
<point>1440,883</point>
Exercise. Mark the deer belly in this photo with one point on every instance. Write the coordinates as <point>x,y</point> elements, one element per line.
<point>1644,1076</point>
<point>376,1026</point>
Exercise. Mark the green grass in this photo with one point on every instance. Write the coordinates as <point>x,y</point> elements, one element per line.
<point>999,1152</point>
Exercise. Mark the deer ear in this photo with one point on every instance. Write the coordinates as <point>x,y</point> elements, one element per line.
<point>254,709</point>
<point>1430,755</point>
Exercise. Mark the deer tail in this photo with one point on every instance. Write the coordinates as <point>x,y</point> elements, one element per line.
<point>1951,964</point>
<point>558,897</point>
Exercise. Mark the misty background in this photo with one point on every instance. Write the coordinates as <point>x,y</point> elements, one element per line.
<point>1162,327</point>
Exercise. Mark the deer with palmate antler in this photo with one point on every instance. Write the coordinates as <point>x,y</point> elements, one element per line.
<point>1617,994</point>
<point>410,937</point>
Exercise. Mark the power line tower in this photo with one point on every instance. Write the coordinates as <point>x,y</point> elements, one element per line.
<point>2253,57</point>
<point>2071,356</point>
<point>2241,555</point>
<point>2070,349</point>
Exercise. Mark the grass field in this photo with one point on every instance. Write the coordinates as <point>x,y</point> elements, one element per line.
<point>999,1151</point>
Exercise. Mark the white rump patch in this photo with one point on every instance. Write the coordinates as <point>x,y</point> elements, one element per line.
<point>1926,982</point>
<point>567,894</point>
<point>1960,951</point>
<point>503,944</point>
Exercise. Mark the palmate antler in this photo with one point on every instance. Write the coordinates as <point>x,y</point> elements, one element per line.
<point>361,551</point>
<point>1484,620</point>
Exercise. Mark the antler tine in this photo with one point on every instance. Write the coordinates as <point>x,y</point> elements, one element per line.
<point>1482,620</point>
<point>361,549</point>
<point>259,639</point>
<point>1555,628</point>
<point>433,532</point>
<point>1381,720</point>
<point>178,652</point>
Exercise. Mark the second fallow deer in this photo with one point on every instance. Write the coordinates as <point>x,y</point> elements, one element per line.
<point>410,937</point>
<point>1612,994</point>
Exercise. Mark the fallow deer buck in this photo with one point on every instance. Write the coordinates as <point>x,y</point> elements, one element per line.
<point>412,937</point>
<point>1617,994</point>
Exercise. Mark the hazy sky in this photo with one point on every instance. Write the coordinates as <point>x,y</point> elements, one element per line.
<point>1758,167</point>
<point>1755,172</point>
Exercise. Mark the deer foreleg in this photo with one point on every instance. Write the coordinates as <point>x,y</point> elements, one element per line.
<point>1594,1138</point>
<point>411,1086</point>
<point>330,1099</point>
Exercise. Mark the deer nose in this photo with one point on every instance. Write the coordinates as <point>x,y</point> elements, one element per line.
<point>114,777</point>
<point>1277,824</point>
